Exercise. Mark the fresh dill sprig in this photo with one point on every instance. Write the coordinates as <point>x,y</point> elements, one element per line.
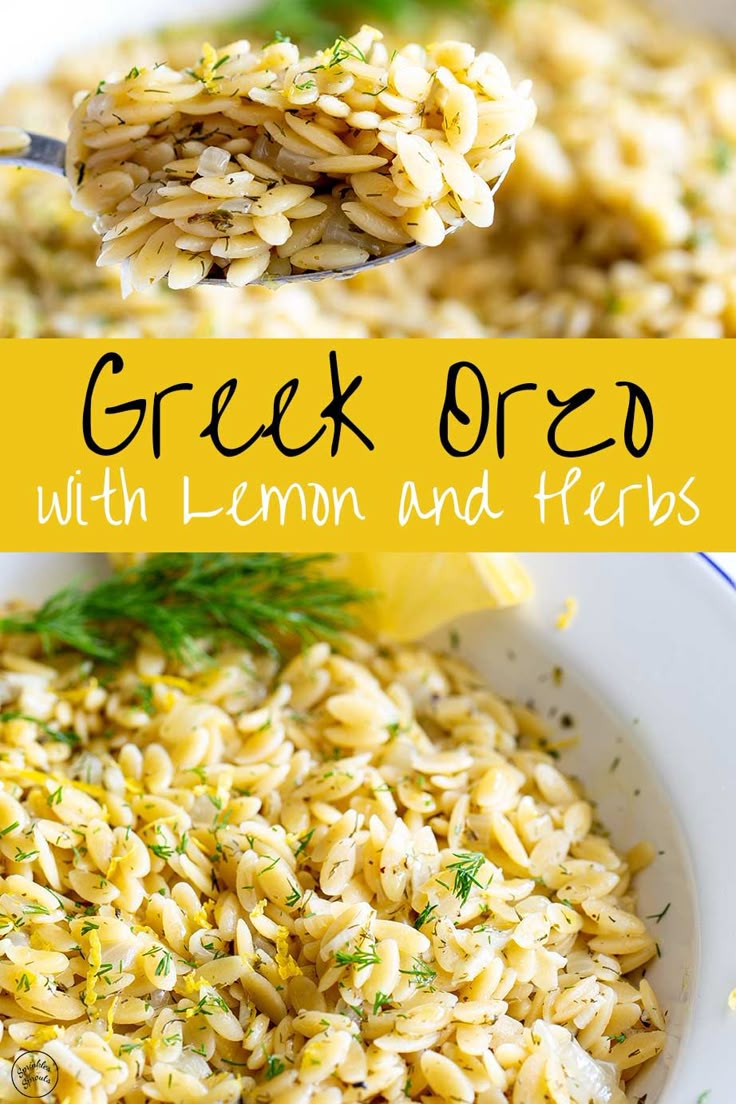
<point>424,915</point>
<point>421,973</point>
<point>294,897</point>
<point>181,598</point>
<point>128,1048</point>
<point>466,870</point>
<point>164,963</point>
<point>364,956</point>
<point>303,842</point>
<point>161,850</point>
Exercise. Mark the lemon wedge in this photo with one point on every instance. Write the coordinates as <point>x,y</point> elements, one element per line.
<point>418,591</point>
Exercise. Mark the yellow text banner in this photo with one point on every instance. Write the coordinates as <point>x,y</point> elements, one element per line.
<point>405,445</point>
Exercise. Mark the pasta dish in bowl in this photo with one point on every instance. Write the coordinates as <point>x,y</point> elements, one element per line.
<point>235,869</point>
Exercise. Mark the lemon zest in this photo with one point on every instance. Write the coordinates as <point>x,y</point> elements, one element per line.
<point>169,680</point>
<point>94,961</point>
<point>193,983</point>
<point>248,958</point>
<point>259,909</point>
<point>285,964</point>
<point>42,1035</point>
<point>40,778</point>
<point>37,941</point>
<point>202,918</point>
<point>206,71</point>
<point>79,693</point>
<point>116,860</point>
<point>569,612</point>
<point>110,1017</point>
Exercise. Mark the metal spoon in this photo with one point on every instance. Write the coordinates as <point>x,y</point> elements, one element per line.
<point>49,155</point>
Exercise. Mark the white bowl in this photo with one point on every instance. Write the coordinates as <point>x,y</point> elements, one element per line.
<point>648,665</point>
<point>34,35</point>
<point>647,676</point>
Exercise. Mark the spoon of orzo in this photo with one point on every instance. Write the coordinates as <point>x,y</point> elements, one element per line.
<point>263,166</point>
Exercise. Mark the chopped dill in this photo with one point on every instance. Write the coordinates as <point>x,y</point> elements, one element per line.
<point>294,897</point>
<point>274,1066</point>
<point>304,842</point>
<point>360,957</point>
<point>466,870</point>
<point>161,850</point>
<point>421,973</point>
<point>424,916</point>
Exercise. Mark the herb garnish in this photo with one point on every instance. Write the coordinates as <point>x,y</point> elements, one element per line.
<point>274,1066</point>
<point>304,842</point>
<point>143,697</point>
<point>466,869</point>
<point>361,957</point>
<point>181,598</point>
<point>421,973</point>
<point>424,916</point>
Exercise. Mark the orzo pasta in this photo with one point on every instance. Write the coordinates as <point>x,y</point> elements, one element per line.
<point>349,876</point>
<point>617,219</point>
<point>264,163</point>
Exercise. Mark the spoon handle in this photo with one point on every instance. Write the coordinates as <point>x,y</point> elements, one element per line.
<point>43,153</point>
